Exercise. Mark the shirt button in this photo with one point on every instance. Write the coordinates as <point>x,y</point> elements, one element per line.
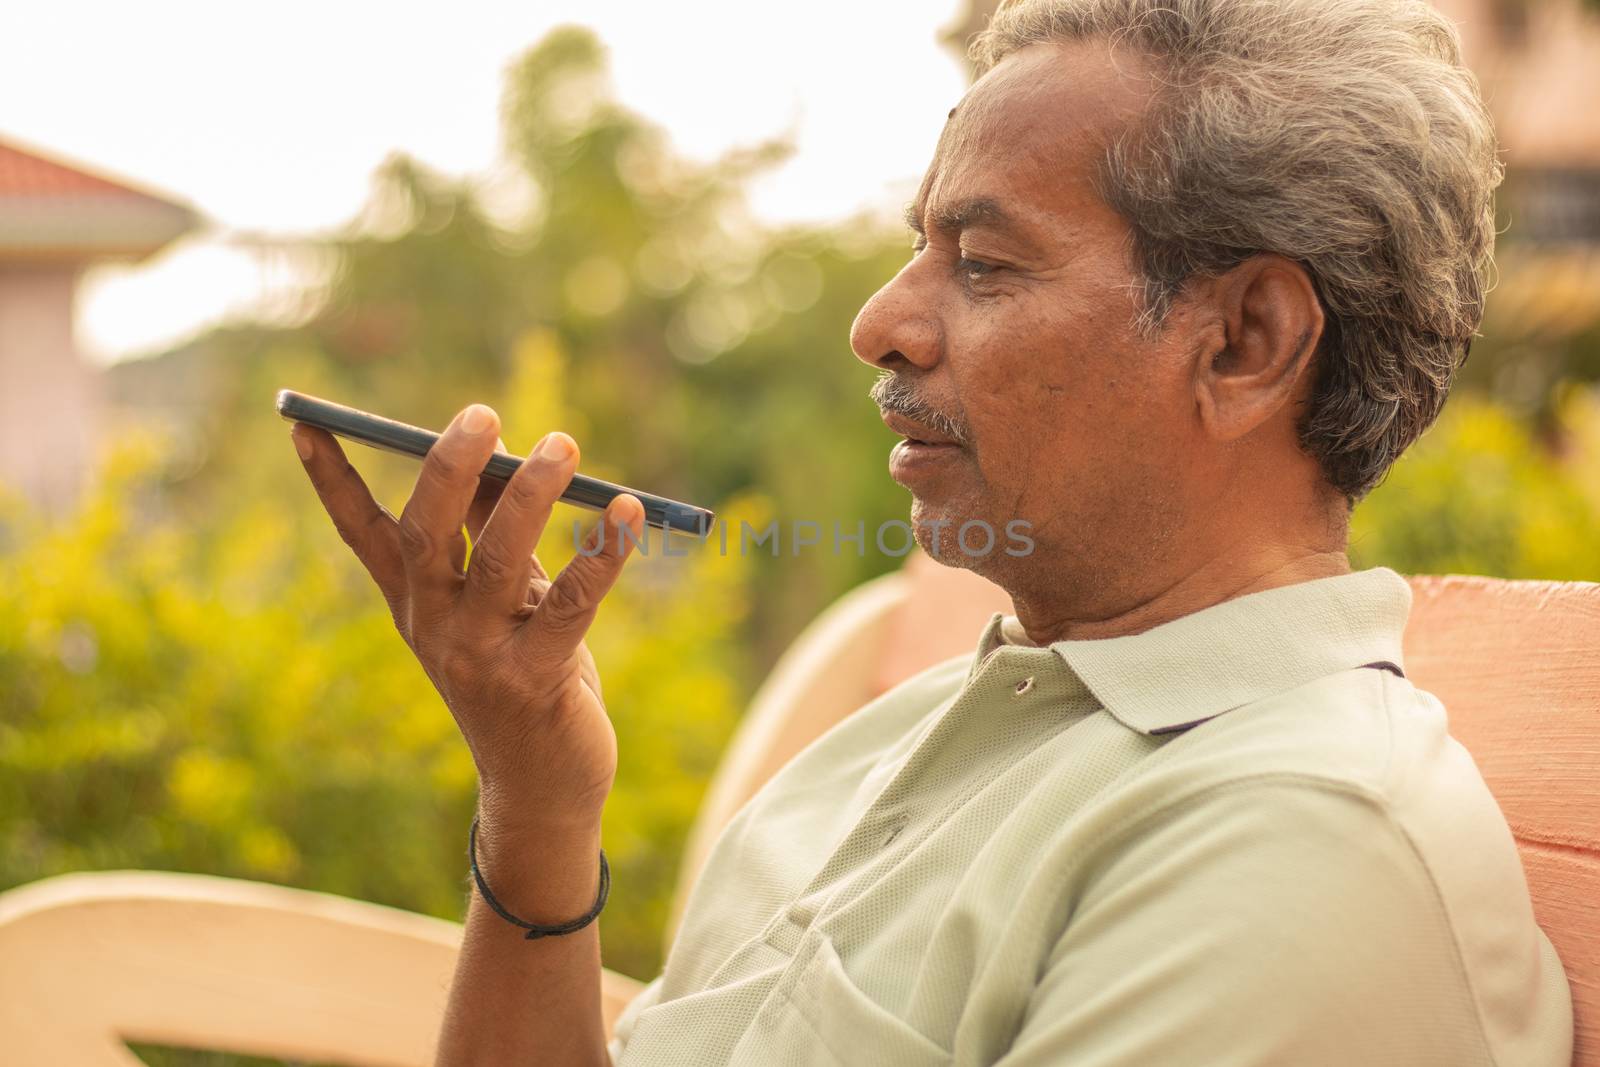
<point>1025,685</point>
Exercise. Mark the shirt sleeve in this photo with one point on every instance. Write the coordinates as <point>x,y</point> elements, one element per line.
<point>1265,922</point>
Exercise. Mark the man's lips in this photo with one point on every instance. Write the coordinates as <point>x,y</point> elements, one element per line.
<point>914,431</point>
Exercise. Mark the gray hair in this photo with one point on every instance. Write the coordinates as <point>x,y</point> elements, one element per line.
<point>1343,134</point>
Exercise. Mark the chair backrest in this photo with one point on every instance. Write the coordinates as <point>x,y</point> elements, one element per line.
<point>1517,666</point>
<point>1481,645</point>
<point>89,961</point>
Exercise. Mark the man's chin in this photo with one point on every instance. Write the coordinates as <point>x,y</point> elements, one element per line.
<point>937,527</point>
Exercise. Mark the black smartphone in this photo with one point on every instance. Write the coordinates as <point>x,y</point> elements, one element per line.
<point>392,436</point>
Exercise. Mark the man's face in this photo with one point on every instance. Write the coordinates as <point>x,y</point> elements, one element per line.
<point>1011,331</point>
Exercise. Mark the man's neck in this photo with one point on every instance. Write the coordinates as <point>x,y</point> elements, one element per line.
<point>1045,620</point>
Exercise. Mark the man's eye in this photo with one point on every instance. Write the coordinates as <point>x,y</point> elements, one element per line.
<point>973,268</point>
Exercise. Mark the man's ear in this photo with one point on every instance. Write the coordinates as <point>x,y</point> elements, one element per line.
<point>1271,321</point>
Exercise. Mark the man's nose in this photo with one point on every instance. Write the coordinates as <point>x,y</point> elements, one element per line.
<point>899,324</point>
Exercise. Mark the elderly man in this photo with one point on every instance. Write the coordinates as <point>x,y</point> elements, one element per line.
<point>1188,276</point>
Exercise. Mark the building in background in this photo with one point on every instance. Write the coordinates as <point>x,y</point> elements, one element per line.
<point>55,220</point>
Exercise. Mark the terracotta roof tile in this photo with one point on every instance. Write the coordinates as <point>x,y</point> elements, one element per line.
<point>24,173</point>
<point>54,209</point>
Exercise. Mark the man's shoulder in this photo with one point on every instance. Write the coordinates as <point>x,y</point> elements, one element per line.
<point>1366,736</point>
<point>1375,740</point>
<point>1364,732</point>
<point>1357,775</point>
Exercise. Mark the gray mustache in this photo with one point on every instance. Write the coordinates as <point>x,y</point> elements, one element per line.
<point>891,393</point>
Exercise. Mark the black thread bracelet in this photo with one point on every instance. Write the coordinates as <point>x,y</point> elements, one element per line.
<point>535,930</point>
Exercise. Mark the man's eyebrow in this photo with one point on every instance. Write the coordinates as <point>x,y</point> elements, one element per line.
<point>964,214</point>
<point>913,219</point>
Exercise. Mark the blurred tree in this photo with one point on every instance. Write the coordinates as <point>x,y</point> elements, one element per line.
<point>1480,495</point>
<point>206,680</point>
<point>704,356</point>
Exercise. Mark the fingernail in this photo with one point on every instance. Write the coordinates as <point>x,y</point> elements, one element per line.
<point>302,443</point>
<point>555,447</point>
<point>622,509</point>
<point>477,419</point>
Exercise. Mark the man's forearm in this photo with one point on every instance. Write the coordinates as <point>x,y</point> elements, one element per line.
<point>503,644</point>
<point>515,1001</point>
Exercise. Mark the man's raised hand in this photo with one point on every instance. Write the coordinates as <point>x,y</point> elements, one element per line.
<point>501,641</point>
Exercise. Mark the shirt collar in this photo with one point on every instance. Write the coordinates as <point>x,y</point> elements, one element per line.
<point>1201,665</point>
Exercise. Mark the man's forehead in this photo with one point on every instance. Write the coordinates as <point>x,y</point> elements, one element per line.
<point>1030,132</point>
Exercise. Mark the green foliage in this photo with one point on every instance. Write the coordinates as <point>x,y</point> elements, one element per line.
<point>205,680</point>
<point>237,702</point>
<point>1479,495</point>
<point>168,1056</point>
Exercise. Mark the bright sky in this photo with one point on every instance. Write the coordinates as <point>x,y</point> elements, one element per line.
<point>270,118</point>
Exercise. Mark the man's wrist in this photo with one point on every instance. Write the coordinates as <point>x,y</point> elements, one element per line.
<point>542,873</point>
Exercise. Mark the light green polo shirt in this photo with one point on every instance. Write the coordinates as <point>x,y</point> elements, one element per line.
<point>1225,840</point>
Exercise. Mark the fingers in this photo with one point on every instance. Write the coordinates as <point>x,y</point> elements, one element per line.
<point>484,500</point>
<point>502,557</point>
<point>431,545</point>
<point>569,606</point>
<point>483,505</point>
<point>367,527</point>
